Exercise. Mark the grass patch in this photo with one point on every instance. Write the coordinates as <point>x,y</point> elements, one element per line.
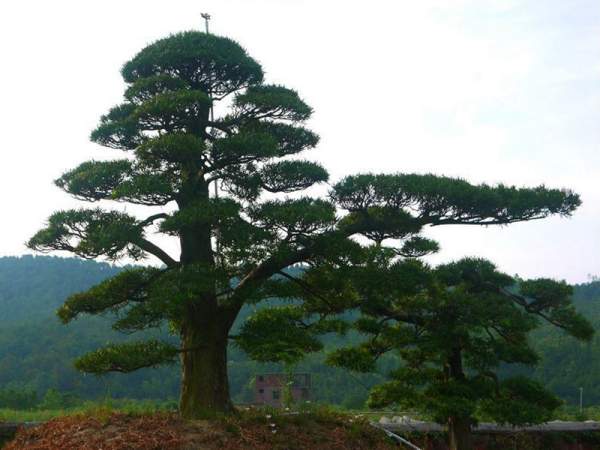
<point>98,409</point>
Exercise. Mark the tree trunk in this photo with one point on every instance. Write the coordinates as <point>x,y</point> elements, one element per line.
<point>459,433</point>
<point>459,427</point>
<point>204,382</point>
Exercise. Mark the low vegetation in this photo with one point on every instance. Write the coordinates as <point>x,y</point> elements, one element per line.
<point>109,429</point>
<point>87,408</point>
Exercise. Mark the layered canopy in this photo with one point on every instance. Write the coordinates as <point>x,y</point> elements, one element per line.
<point>197,115</point>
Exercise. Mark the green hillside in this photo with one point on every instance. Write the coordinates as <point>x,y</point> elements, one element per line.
<point>36,350</point>
<point>32,287</point>
<point>566,364</point>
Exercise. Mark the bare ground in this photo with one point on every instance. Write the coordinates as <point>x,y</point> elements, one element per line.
<point>256,430</point>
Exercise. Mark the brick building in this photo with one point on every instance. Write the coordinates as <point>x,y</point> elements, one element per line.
<point>270,388</point>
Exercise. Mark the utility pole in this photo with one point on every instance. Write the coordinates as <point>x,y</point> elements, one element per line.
<point>581,400</point>
<point>207,18</point>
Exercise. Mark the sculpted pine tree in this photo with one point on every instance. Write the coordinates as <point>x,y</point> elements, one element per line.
<point>232,245</point>
<point>453,327</point>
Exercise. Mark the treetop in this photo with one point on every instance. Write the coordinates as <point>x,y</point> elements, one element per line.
<point>214,64</point>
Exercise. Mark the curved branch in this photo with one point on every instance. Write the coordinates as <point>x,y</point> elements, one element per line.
<point>155,250</point>
<point>275,263</point>
<point>522,301</point>
<point>149,220</point>
<point>479,220</point>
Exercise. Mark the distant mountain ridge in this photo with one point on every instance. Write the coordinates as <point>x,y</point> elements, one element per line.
<point>36,350</point>
<point>35,286</point>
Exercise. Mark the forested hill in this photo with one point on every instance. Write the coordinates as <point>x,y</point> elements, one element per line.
<point>36,351</point>
<point>34,286</point>
<point>567,364</point>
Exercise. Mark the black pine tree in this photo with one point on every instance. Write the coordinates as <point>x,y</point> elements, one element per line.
<point>233,244</point>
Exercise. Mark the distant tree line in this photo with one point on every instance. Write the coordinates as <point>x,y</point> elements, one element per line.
<point>36,351</point>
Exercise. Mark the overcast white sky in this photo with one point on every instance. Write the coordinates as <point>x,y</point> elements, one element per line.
<point>492,91</point>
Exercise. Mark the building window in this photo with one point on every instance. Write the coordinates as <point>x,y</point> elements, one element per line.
<point>261,391</point>
<point>260,378</point>
<point>275,395</point>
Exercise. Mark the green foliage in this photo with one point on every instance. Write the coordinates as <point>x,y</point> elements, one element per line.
<point>95,180</point>
<point>127,357</point>
<point>14,398</point>
<point>290,176</point>
<point>118,130</point>
<point>170,149</point>
<point>290,139</point>
<point>233,242</point>
<point>171,111</point>
<point>53,400</point>
<point>296,217</point>
<point>452,200</point>
<point>67,406</point>
<point>112,294</point>
<point>36,351</point>
<point>381,222</point>
<point>211,63</point>
<point>272,101</point>
<point>277,334</point>
<point>552,300</point>
<point>145,89</point>
<point>90,233</point>
<point>454,327</point>
<point>208,212</point>
<point>521,400</point>
<point>33,287</point>
<point>249,145</point>
<point>417,247</point>
<point>358,359</point>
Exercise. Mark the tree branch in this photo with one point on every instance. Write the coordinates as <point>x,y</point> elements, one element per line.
<point>480,221</point>
<point>307,288</point>
<point>149,220</point>
<point>521,301</point>
<point>155,250</point>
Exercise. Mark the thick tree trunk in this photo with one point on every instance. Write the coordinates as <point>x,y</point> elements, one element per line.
<point>205,325</point>
<point>204,382</point>
<point>459,433</point>
<point>459,427</point>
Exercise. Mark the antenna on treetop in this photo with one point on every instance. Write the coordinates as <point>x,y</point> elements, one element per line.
<point>206,18</point>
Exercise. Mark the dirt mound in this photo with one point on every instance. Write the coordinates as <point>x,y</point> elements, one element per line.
<point>257,430</point>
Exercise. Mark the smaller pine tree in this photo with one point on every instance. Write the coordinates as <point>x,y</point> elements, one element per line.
<point>453,327</point>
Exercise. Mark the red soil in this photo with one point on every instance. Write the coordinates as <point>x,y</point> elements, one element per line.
<point>167,431</point>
